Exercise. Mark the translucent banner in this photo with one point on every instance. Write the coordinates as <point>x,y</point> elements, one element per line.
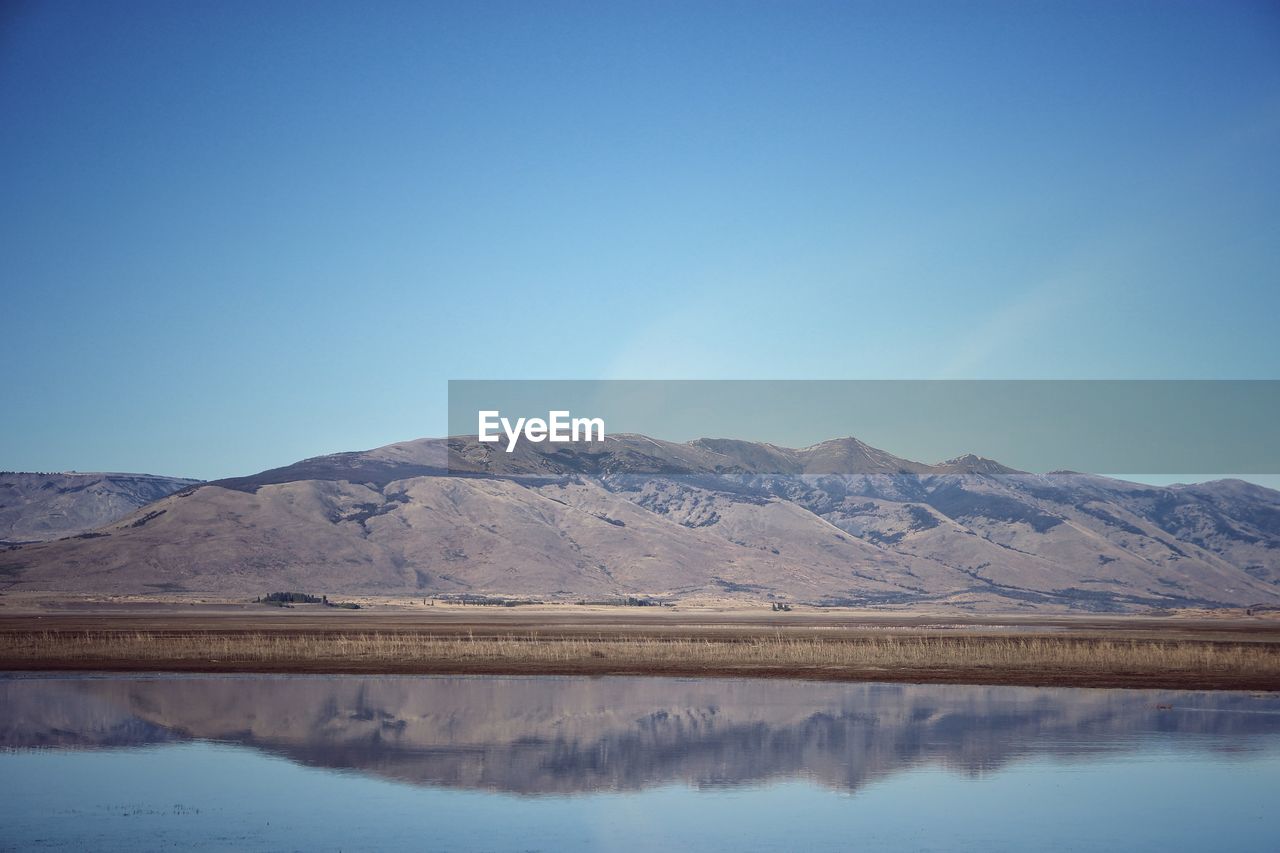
<point>1150,427</point>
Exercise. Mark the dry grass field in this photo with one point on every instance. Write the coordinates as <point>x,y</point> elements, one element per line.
<point>1049,659</point>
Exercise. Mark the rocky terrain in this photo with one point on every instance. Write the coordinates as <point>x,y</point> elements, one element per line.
<point>839,523</point>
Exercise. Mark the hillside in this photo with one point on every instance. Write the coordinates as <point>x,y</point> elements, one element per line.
<point>39,507</point>
<point>837,523</point>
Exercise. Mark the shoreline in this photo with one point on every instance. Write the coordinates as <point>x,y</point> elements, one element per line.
<point>975,678</point>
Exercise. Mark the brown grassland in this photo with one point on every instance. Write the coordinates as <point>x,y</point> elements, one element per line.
<point>915,652</point>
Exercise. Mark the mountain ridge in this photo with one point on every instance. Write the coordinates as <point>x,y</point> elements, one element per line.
<point>47,505</point>
<point>838,523</point>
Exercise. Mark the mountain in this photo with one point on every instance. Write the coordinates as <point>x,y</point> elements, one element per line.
<point>838,523</point>
<point>38,507</point>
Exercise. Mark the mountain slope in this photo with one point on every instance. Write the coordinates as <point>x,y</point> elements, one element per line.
<point>836,523</point>
<point>39,507</point>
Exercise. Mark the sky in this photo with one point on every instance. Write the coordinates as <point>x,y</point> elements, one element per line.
<point>237,234</point>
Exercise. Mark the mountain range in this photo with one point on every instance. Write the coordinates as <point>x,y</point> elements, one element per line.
<point>838,523</point>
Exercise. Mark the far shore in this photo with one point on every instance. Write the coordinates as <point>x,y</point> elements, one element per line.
<point>1192,650</point>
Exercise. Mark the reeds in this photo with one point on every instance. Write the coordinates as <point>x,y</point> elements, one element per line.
<point>399,651</point>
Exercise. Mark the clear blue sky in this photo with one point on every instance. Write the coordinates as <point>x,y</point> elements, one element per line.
<point>236,234</point>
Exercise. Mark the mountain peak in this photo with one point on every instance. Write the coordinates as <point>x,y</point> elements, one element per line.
<point>972,463</point>
<point>850,455</point>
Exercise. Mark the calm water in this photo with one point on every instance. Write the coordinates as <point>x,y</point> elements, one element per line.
<point>485,763</point>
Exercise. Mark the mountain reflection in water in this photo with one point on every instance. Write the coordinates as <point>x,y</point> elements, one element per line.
<point>535,735</point>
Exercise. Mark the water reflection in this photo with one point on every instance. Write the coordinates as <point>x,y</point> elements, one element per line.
<point>569,735</point>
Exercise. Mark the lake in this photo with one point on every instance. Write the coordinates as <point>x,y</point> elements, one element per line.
<point>627,763</point>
